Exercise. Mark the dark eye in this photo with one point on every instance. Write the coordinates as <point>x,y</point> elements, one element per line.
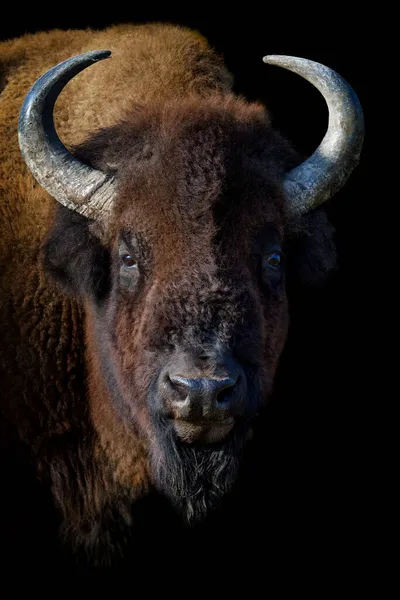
<point>128,261</point>
<point>273,260</point>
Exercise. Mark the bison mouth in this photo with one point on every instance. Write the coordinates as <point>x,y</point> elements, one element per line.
<point>205,432</point>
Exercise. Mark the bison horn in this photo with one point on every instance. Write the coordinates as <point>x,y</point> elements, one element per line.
<point>323,174</point>
<point>73,183</point>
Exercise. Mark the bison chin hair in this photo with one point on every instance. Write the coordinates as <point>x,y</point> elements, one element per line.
<point>195,478</point>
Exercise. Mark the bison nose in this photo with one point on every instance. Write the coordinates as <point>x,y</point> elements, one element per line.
<point>201,398</point>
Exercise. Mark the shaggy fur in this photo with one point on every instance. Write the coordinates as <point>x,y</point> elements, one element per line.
<point>199,204</point>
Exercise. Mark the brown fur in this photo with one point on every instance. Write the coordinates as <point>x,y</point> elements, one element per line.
<point>196,167</point>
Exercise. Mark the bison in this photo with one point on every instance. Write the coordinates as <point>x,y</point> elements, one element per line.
<point>146,266</point>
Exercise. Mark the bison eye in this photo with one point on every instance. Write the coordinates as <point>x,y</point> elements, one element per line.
<point>272,264</point>
<point>273,260</point>
<point>128,261</point>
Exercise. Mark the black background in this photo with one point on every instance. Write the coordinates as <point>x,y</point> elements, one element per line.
<point>323,414</point>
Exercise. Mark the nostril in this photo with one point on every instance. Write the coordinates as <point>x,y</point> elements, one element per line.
<point>225,394</point>
<point>179,387</point>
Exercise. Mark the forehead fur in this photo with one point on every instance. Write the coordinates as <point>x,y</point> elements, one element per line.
<point>196,165</point>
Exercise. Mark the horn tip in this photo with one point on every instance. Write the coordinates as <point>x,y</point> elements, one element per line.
<point>272,58</point>
<point>101,54</point>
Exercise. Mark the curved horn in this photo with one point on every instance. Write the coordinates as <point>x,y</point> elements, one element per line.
<point>323,174</point>
<point>74,184</point>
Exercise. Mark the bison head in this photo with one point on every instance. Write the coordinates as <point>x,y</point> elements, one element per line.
<point>174,233</point>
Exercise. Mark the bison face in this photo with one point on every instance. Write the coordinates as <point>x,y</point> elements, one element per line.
<point>192,342</point>
<point>184,287</point>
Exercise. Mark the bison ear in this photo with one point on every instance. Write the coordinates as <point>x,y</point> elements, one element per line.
<point>75,257</point>
<point>311,250</point>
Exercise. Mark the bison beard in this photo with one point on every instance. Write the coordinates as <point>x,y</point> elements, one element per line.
<point>195,478</point>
